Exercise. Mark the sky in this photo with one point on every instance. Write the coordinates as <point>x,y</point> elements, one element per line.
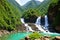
<point>22,2</point>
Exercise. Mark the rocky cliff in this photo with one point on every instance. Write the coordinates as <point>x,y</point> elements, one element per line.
<point>54,16</point>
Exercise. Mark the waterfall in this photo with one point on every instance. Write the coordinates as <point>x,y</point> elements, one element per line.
<point>46,22</point>
<point>38,22</point>
<point>38,25</point>
<point>22,20</point>
<point>28,28</point>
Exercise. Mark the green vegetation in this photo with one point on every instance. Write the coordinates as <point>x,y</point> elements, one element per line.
<point>39,10</point>
<point>10,12</point>
<point>35,35</point>
<point>29,13</point>
<point>9,16</point>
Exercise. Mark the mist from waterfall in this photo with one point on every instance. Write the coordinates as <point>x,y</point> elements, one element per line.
<point>28,28</point>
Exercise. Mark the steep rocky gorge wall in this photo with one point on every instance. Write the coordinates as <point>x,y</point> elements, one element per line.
<point>54,16</point>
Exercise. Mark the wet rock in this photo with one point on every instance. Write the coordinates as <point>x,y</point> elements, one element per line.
<point>21,27</point>
<point>57,28</point>
<point>57,38</point>
<point>27,38</point>
<point>4,32</point>
<point>45,38</point>
<point>32,25</point>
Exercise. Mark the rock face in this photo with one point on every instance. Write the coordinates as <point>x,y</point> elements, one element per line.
<point>33,26</point>
<point>21,27</point>
<point>32,19</point>
<point>42,20</point>
<point>54,16</point>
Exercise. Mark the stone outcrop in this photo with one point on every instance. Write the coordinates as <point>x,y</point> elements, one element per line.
<point>32,25</point>
<point>4,32</point>
<point>57,38</point>
<point>21,27</point>
<point>31,19</point>
<point>27,38</point>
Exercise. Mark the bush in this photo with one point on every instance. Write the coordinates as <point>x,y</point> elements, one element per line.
<point>35,35</point>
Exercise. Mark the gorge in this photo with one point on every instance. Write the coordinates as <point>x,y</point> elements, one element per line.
<point>34,16</point>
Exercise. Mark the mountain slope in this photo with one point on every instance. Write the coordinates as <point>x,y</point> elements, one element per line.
<point>9,16</point>
<point>15,4</point>
<point>31,4</point>
<point>43,7</point>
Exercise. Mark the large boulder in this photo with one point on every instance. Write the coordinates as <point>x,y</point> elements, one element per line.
<point>45,38</point>
<point>27,38</point>
<point>57,38</point>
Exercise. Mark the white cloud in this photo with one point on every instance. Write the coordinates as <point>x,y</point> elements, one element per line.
<point>41,0</point>
<point>22,2</point>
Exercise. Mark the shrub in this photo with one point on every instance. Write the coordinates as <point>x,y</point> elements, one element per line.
<point>35,35</point>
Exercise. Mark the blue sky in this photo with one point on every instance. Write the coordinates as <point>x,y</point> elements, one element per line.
<point>22,2</point>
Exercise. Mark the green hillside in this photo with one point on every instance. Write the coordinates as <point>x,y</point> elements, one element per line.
<point>42,8</point>
<point>15,4</point>
<point>9,16</point>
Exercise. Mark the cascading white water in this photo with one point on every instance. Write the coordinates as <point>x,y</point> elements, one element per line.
<point>28,28</point>
<point>38,25</point>
<point>22,20</point>
<point>38,22</point>
<point>46,22</point>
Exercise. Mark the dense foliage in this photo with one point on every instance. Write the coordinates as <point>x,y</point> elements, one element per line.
<point>30,15</point>
<point>35,35</point>
<point>9,16</point>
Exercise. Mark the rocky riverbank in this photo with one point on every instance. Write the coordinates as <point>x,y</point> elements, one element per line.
<point>44,38</point>
<point>4,32</point>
